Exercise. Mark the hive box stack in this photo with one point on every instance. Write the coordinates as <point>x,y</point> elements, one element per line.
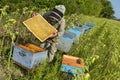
<point>28,56</point>
<point>66,41</point>
<point>69,37</point>
<point>72,65</point>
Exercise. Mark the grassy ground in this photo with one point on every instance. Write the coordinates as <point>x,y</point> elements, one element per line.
<point>98,48</point>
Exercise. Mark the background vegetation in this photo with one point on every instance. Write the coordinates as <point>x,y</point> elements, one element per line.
<point>98,48</point>
<point>101,8</point>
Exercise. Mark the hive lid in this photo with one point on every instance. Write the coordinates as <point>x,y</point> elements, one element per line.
<point>72,61</point>
<point>39,27</point>
<point>31,48</point>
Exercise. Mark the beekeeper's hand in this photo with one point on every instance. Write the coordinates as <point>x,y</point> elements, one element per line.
<point>54,35</point>
<point>33,14</point>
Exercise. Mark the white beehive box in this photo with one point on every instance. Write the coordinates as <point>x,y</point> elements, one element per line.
<point>28,56</point>
<point>66,41</point>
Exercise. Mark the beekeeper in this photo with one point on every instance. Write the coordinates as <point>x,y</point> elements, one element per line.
<point>56,19</point>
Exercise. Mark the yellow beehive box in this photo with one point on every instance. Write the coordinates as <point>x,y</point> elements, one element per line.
<point>39,27</point>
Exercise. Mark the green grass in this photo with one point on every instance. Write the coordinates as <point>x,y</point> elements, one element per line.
<point>103,40</point>
<point>98,48</point>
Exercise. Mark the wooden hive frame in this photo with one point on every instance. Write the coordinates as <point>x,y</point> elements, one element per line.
<point>39,27</point>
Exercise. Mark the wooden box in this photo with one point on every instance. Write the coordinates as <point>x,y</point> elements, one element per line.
<point>66,41</point>
<point>69,34</point>
<point>77,31</point>
<point>40,27</point>
<point>71,69</point>
<point>65,44</point>
<point>72,65</point>
<point>29,55</point>
<point>88,27</point>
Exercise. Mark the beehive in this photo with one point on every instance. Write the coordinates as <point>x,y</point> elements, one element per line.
<point>72,65</point>
<point>66,41</point>
<point>29,55</point>
<point>40,27</point>
<point>77,31</point>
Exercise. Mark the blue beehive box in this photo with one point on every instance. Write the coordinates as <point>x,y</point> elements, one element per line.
<point>71,69</point>
<point>28,58</point>
<point>72,65</point>
<point>65,44</point>
<point>77,31</point>
<point>66,41</point>
<point>88,26</point>
<point>70,35</point>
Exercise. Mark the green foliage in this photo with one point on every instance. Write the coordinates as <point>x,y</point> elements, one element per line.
<point>107,10</point>
<point>99,48</point>
<point>101,8</point>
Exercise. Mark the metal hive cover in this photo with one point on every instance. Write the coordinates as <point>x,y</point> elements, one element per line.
<point>39,27</point>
